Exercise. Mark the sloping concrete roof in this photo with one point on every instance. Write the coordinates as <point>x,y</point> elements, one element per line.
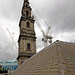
<point>56,59</point>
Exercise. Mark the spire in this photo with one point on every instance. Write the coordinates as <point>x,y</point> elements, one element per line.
<point>26,10</point>
<point>26,3</point>
<point>27,39</point>
<point>25,0</point>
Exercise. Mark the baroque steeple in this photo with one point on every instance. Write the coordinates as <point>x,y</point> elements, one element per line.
<point>27,39</point>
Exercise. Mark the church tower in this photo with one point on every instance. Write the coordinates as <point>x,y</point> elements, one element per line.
<point>27,39</point>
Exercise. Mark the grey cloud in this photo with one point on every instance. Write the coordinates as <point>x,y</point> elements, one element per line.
<point>62,16</point>
<point>6,52</point>
<point>11,9</point>
<point>59,14</point>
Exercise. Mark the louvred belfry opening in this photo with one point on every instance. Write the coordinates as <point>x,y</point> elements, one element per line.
<point>28,46</point>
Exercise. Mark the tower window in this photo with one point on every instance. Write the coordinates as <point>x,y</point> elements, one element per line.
<point>27,13</point>
<point>28,46</point>
<point>28,24</point>
<point>26,5</point>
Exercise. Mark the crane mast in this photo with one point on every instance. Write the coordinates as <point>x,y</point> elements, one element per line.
<point>40,27</point>
<point>11,37</point>
<point>45,36</point>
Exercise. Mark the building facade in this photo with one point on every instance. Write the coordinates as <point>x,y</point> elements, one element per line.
<point>5,66</point>
<point>56,59</point>
<point>27,39</point>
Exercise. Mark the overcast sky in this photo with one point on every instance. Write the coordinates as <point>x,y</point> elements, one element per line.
<point>59,14</point>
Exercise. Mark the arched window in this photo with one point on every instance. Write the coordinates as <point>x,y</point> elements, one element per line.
<point>26,5</point>
<point>28,24</point>
<point>28,46</point>
<point>27,13</point>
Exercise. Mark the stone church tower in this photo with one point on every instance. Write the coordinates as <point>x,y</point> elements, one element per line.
<point>27,39</point>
